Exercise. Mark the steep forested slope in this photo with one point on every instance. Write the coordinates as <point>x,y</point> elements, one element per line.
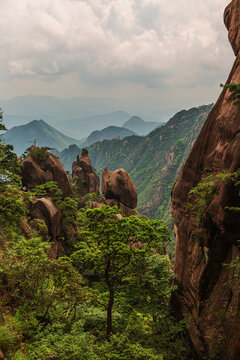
<point>153,161</point>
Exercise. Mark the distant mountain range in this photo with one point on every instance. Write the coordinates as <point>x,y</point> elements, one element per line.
<point>83,127</point>
<point>153,161</point>
<point>39,132</point>
<point>45,135</point>
<point>140,126</point>
<point>22,109</point>
<point>108,133</point>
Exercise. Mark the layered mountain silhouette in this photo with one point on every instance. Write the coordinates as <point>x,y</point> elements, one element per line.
<point>37,132</point>
<point>140,126</point>
<point>153,161</point>
<point>61,113</point>
<point>108,133</point>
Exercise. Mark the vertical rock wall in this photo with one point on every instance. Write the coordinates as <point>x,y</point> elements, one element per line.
<point>208,292</point>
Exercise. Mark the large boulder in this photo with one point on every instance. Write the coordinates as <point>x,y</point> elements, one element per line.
<point>45,209</point>
<point>208,292</point>
<point>84,177</point>
<point>119,186</point>
<point>40,167</point>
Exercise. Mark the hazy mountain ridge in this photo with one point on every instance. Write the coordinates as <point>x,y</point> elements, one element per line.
<point>108,133</point>
<point>83,127</point>
<point>39,132</point>
<point>82,107</point>
<point>140,126</point>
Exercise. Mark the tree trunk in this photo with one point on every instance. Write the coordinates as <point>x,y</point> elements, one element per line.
<point>109,313</point>
<point>110,284</point>
<point>1,317</point>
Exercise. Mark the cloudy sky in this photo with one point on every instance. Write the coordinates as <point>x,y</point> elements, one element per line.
<point>175,51</point>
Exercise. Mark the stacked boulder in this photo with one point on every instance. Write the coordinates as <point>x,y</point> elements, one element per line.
<point>38,168</point>
<point>84,177</point>
<point>118,189</point>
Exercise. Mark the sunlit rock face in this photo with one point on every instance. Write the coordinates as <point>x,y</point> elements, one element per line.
<point>84,176</point>
<point>39,169</point>
<point>119,190</point>
<point>208,291</point>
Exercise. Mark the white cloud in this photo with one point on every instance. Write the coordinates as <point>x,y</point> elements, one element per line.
<point>153,42</point>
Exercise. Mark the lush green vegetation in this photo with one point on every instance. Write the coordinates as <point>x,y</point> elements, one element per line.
<point>202,194</point>
<point>235,89</point>
<point>106,297</point>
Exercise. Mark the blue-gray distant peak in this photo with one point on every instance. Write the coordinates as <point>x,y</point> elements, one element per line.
<point>38,132</point>
<point>139,126</point>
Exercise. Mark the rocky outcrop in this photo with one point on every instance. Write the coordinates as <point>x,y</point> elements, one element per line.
<point>40,167</point>
<point>45,209</point>
<point>208,291</point>
<point>84,176</point>
<point>119,190</point>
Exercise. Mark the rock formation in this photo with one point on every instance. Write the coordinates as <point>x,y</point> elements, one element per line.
<point>40,167</point>
<point>45,209</point>
<point>84,176</point>
<point>119,189</point>
<point>208,290</point>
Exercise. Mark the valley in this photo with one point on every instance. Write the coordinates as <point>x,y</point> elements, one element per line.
<point>153,161</point>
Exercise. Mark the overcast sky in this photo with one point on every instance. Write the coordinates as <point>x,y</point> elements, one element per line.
<point>172,50</point>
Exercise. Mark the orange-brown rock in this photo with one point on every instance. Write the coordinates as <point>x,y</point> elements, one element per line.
<point>84,176</point>
<point>45,209</point>
<point>208,291</point>
<point>118,185</point>
<point>232,22</point>
<point>38,170</point>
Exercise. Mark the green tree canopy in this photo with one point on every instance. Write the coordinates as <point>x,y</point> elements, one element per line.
<point>115,249</point>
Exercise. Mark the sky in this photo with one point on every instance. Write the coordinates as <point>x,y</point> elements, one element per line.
<point>175,52</point>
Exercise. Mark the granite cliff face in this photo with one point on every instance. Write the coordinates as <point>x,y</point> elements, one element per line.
<point>208,290</point>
